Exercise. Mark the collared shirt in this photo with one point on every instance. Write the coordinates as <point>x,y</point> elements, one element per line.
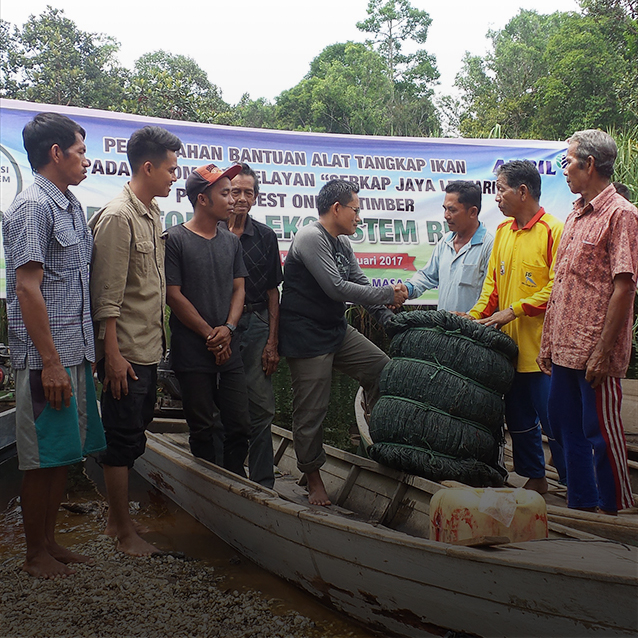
<point>127,277</point>
<point>458,276</point>
<point>261,258</point>
<point>47,226</point>
<point>520,275</point>
<point>600,241</point>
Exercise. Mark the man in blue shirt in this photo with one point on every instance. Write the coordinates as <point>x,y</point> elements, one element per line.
<point>48,247</point>
<point>458,264</point>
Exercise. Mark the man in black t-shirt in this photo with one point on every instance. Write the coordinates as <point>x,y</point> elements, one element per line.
<point>205,289</point>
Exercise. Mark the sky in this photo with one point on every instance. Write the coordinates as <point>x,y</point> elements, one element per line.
<point>262,48</point>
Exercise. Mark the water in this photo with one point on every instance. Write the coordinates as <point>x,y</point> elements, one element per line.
<point>172,530</point>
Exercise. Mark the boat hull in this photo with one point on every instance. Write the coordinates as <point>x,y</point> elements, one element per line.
<point>399,584</point>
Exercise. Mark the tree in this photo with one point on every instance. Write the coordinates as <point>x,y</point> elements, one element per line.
<point>501,88</point>
<point>393,25</point>
<point>174,87</point>
<point>548,75</point>
<point>8,47</point>
<point>584,87</point>
<point>345,91</point>
<point>259,113</point>
<point>52,61</point>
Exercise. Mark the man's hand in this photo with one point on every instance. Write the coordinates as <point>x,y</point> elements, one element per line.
<point>57,385</point>
<point>597,368</point>
<point>218,339</point>
<point>269,359</point>
<point>221,356</point>
<point>462,314</point>
<point>499,319</point>
<point>400,295</point>
<point>545,364</point>
<point>117,370</point>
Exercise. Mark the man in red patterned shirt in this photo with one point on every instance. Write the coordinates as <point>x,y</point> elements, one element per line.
<point>586,340</point>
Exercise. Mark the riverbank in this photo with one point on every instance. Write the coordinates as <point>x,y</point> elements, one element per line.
<point>122,596</point>
<point>200,588</point>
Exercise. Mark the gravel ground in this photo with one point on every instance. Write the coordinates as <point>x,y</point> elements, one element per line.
<point>142,597</point>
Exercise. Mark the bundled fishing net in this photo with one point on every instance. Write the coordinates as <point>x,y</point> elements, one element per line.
<point>435,466</point>
<point>469,358</point>
<point>441,411</point>
<point>453,324</point>
<point>400,420</point>
<point>443,388</point>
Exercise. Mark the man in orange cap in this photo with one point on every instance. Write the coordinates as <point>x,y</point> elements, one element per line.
<point>205,289</point>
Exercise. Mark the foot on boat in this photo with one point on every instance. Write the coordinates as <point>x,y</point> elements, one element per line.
<point>607,512</point>
<point>537,484</point>
<point>317,494</point>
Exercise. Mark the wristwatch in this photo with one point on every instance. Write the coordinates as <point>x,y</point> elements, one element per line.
<point>231,327</point>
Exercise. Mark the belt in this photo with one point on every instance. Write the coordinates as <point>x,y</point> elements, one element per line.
<point>255,307</point>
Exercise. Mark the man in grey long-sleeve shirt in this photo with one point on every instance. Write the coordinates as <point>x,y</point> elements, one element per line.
<point>321,274</point>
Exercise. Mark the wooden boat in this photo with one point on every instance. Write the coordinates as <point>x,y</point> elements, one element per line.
<point>7,434</point>
<point>369,555</point>
<point>622,528</point>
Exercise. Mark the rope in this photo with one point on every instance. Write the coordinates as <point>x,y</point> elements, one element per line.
<point>431,408</point>
<point>440,367</point>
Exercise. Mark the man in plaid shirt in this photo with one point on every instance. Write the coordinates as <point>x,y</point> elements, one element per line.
<point>48,250</point>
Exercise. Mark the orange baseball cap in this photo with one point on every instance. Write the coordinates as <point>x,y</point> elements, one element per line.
<point>204,176</point>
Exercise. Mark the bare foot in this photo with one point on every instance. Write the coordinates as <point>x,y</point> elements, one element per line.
<point>317,494</point>
<point>111,530</point>
<point>607,512</point>
<point>133,545</point>
<point>537,484</point>
<point>43,565</point>
<point>64,555</point>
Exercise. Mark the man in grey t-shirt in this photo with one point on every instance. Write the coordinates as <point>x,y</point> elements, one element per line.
<point>321,274</point>
<point>205,289</point>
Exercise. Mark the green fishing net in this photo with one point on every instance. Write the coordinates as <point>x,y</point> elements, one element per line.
<point>399,420</point>
<point>435,466</point>
<point>443,388</point>
<point>441,409</point>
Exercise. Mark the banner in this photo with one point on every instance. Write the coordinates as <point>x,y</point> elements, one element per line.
<point>401,180</point>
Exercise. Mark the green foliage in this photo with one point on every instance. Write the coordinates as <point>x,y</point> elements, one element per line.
<point>50,60</point>
<point>394,24</point>
<point>626,166</point>
<point>174,87</point>
<point>549,75</point>
<point>346,91</point>
<point>259,113</point>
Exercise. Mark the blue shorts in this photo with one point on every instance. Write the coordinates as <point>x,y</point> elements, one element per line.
<point>46,437</point>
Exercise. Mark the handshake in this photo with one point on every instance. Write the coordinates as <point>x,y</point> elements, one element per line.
<point>400,295</point>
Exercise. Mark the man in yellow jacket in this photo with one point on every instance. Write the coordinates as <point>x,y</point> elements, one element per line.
<point>514,298</point>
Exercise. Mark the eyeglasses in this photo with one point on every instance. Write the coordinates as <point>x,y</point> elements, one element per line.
<point>356,210</point>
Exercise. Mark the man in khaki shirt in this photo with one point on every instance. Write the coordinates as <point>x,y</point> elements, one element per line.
<point>128,291</point>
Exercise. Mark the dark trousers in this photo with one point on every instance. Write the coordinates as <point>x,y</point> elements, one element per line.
<point>204,395</point>
<point>126,419</point>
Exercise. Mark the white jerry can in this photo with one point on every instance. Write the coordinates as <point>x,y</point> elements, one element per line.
<point>462,514</point>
